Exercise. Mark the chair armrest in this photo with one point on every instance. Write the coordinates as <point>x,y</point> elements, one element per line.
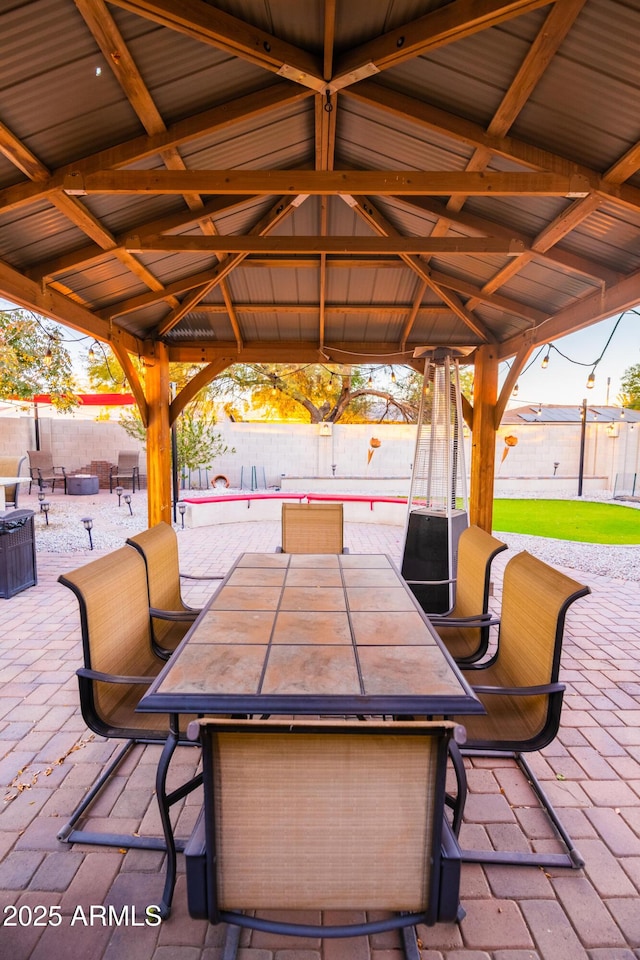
<point>88,674</point>
<point>202,576</point>
<point>452,580</point>
<point>543,688</point>
<point>481,621</point>
<point>180,616</point>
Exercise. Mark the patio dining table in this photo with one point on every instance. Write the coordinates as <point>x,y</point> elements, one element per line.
<point>306,634</point>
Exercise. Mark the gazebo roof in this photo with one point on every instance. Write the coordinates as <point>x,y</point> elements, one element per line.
<point>333,179</point>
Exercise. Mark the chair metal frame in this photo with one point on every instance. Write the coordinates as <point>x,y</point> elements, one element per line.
<point>217,855</point>
<point>103,588</point>
<point>171,617</point>
<point>465,628</point>
<point>127,468</point>
<point>42,470</point>
<point>535,601</point>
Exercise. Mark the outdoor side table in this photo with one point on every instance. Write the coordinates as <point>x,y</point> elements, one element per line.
<point>17,552</point>
<point>82,484</point>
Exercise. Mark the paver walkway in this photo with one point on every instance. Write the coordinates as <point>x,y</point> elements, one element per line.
<point>48,759</point>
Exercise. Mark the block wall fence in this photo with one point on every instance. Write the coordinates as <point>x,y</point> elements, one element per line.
<point>544,461</point>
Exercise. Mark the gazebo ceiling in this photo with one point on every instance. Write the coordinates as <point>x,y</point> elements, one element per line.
<point>344,179</point>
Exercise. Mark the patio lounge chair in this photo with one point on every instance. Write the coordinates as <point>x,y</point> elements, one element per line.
<point>171,616</point>
<point>312,528</point>
<point>465,628</point>
<point>119,665</point>
<point>519,687</point>
<point>323,815</point>
<point>43,472</point>
<point>11,467</point>
<point>126,469</point>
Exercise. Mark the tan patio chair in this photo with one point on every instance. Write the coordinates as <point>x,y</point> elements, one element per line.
<point>171,616</point>
<point>119,666</point>
<point>519,686</point>
<point>43,472</point>
<point>312,528</point>
<point>126,469</point>
<point>308,815</point>
<point>11,467</point>
<point>465,628</point>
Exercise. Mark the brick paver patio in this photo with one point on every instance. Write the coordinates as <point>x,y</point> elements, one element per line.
<point>48,759</point>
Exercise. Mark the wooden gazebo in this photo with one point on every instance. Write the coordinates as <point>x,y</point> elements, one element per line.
<point>345,180</point>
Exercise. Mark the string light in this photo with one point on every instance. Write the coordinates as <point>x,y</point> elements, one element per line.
<point>515,390</point>
<point>591,379</point>
<point>370,381</point>
<point>393,375</point>
<point>545,359</point>
<point>48,357</point>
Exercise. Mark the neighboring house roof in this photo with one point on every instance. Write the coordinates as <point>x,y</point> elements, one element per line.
<point>562,414</point>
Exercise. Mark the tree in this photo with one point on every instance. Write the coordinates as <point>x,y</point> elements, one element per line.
<point>316,393</point>
<point>630,383</point>
<point>33,360</point>
<point>197,443</point>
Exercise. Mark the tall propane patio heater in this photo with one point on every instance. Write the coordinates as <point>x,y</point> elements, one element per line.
<point>437,506</point>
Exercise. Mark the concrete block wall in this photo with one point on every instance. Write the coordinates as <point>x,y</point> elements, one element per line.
<point>314,450</point>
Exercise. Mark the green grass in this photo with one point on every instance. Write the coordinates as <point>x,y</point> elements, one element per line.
<point>568,520</point>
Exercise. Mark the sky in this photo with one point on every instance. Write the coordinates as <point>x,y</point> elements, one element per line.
<point>562,382</point>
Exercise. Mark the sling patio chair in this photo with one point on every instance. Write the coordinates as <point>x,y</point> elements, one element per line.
<point>119,666</point>
<point>43,472</point>
<point>519,688</point>
<point>312,528</point>
<point>11,467</point>
<point>465,628</point>
<point>171,616</point>
<point>311,815</point>
<point>126,469</point>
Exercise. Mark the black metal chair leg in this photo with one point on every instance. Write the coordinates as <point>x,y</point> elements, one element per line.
<point>163,806</point>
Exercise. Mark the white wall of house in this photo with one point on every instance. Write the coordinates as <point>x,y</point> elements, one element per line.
<point>311,452</point>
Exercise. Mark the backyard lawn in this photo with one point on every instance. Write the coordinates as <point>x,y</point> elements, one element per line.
<point>568,520</point>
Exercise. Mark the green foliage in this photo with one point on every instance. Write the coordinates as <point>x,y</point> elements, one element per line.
<point>198,445</point>
<point>630,384</point>
<point>578,520</point>
<point>33,360</point>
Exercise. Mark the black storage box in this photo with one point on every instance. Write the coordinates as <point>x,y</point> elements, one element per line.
<point>17,552</point>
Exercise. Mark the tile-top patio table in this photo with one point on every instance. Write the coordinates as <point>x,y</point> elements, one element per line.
<point>306,634</point>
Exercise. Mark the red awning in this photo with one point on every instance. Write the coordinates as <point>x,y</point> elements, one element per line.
<point>93,399</point>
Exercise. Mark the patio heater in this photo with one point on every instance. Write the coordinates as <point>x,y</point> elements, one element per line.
<point>437,506</point>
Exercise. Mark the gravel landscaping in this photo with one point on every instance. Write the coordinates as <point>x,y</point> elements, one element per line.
<point>112,524</point>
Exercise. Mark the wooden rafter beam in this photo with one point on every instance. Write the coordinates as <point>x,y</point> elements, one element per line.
<point>449,246</point>
<point>598,306</point>
<point>413,314</point>
<point>311,309</point>
<point>474,225</point>
<point>87,256</point>
<point>277,213</point>
<point>50,303</point>
<point>456,20</point>
<point>210,121</point>
<point>379,223</point>
<point>268,351</point>
<point>287,182</point>
<point>207,24</point>
<point>194,386</point>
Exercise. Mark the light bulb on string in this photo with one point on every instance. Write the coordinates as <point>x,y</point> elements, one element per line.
<point>591,379</point>
<point>545,359</point>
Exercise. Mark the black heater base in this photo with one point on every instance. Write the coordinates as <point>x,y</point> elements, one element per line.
<point>426,556</point>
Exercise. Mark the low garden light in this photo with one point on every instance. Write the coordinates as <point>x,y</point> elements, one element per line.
<point>44,508</point>
<point>181,510</point>
<point>87,522</point>
<point>119,491</point>
<point>127,500</point>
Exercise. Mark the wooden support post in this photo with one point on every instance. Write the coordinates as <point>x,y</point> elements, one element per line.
<point>483,447</point>
<point>158,435</point>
